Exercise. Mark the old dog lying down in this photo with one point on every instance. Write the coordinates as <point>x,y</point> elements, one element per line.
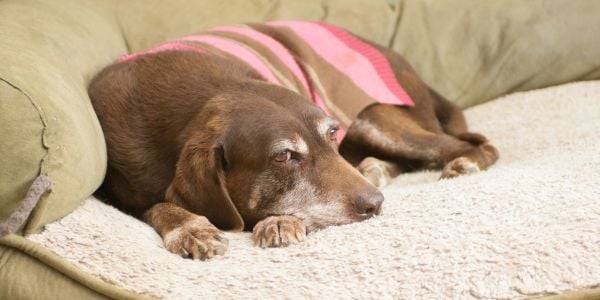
<point>238,128</point>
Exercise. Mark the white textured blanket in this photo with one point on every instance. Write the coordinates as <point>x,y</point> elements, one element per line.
<point>529,226</point>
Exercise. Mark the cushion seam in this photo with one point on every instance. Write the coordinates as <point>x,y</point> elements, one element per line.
<point>43,120</point>
<point>42,169</point>
<point>59,264</point>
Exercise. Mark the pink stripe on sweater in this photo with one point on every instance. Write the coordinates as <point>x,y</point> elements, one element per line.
<point>238,51</point>
<point>274,46</point>
<point>378,60</point>
<point>364,64</point>
<point>169,46</point>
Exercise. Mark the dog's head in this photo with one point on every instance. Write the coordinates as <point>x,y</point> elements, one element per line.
<point>267,151</point>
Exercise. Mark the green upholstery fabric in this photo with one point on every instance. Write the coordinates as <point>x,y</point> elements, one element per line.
<point>29,271</point>
<point>18,268</point>
<point>49,52</point>
<point>469,50</point>
<point>472,51</point>
<point>20,158</point>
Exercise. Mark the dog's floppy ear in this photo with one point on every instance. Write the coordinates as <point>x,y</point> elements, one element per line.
<point>199,183</point>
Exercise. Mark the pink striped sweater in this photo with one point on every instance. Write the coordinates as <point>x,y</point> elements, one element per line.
<point>338,71</point>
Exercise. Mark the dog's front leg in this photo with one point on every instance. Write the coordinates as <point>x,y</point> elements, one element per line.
<point>279,231</point>
<point>185,233</point>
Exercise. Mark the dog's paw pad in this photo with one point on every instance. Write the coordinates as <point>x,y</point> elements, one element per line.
<point>377,172</point>
<point>197,239</point>
<point>279,231</point>
<point>459,166</point>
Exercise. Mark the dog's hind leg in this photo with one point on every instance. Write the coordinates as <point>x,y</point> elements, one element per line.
<point>410,146</point>
<point>453,123</point>
<point>452,120</point>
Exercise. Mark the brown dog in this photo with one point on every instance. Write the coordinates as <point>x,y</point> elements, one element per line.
<point>198,141</point>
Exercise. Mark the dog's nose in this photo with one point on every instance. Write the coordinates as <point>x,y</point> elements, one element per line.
<point>368,203</point>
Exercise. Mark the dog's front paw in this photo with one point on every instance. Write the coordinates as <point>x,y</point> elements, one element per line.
<point>459,166</point>
<point>197,239</point>
<point>279,231</point>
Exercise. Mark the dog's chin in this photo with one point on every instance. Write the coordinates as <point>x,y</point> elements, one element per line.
<point>316,223</point>
<point>318,216</point>
<point>312,226</point>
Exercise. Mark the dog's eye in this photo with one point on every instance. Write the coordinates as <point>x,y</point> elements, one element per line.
<point>283,156</point>
<point>332,133</point>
